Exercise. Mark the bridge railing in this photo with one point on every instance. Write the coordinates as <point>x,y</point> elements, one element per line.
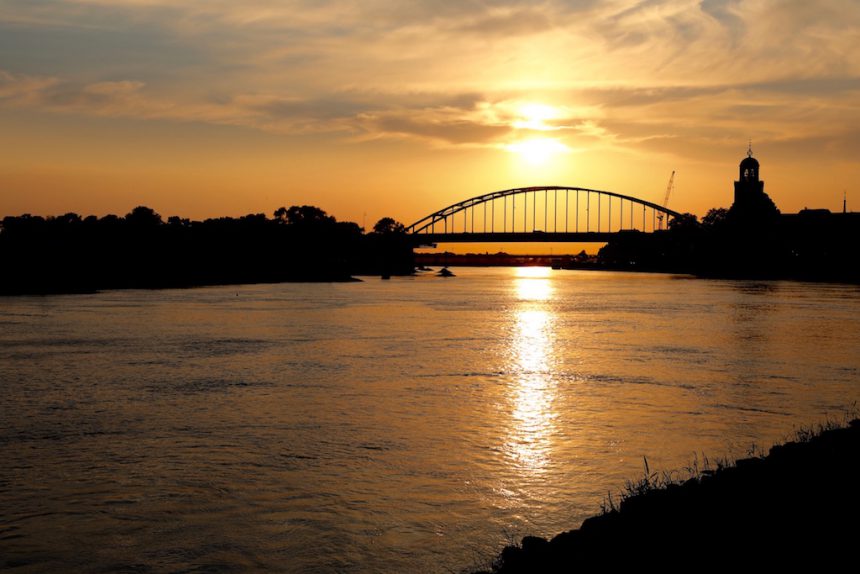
<point>549,209</point>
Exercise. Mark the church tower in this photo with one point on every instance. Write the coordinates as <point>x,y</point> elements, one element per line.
<point>748,183</point>
<point>751,202</point>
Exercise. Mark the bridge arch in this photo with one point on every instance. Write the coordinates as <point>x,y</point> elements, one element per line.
<point>544,213</point>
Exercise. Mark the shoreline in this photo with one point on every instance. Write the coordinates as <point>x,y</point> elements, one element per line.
<point>797,505</point>
<point>540,261</point>
<point>178,285</point>
<point>357,278</point>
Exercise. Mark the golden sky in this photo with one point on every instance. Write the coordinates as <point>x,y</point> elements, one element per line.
<point>379,108</point>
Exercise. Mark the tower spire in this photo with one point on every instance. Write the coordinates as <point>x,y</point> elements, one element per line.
<point>749,149</point>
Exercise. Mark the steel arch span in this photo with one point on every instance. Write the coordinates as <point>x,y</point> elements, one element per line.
<point>545,213</point>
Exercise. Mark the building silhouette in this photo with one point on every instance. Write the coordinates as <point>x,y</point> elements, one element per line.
<point>752,204</point>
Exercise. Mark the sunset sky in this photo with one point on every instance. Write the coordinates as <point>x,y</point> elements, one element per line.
<point>379,108</point>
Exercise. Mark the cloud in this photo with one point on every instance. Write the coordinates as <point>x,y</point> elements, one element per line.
<point>100,97</point>
<point>17,89</point>
<point>114,98</point>
<point>508,23</point>
<point>693,121</point>
<point>654,76</point>
<point>443,131</point>
<point>725,12</point>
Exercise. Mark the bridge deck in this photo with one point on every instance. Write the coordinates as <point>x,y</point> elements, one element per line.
<point>518,237</point>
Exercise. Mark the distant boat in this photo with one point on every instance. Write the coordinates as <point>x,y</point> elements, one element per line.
<point>386,277</point>
<point>445,272</point>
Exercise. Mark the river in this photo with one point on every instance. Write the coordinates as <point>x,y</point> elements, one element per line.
<point>410,425</point>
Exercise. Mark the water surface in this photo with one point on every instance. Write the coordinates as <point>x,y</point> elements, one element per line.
<point>387,426</point>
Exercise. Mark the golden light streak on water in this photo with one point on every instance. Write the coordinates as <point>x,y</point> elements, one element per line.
<point>532,419</point>
<point>533,283</point>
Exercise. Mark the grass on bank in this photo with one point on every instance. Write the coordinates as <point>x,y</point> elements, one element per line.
<point>798,502</point>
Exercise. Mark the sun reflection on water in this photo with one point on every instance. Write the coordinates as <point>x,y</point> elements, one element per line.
<point>532,418</point>
<point>533,283</point>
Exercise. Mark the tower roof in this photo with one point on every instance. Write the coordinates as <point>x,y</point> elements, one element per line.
<point>749,162</point>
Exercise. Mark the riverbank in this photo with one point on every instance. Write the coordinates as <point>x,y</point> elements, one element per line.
<point>83,288</point>
<point>71,254</point>
<point>797,505</point>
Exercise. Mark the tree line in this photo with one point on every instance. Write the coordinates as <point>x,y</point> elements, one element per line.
<point>71,253</point>
<point>810,245</point>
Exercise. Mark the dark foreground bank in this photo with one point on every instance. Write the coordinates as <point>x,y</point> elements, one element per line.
<point>796,506</point>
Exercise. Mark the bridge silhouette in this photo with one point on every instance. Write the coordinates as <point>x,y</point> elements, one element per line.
<point>540,214</point>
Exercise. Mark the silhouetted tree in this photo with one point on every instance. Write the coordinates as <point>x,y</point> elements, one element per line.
<point>255,219</point>
<point>142,215</point>
<point>307,214</point>
<point>685,221</point>
<point>388,226</point>
<point>177,221</point>
<point>715,217</point>
<point>348,228</point>
<point>69,218</point>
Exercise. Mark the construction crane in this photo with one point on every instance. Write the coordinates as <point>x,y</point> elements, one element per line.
<point>669,188</point>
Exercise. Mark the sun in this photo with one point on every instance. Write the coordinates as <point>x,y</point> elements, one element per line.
<point>537,151</point>
<point>533,121</point>
<point>533,116</point>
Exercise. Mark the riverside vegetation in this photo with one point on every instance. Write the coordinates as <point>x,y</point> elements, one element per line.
<point>811,245</point>
<point>70,253</point>
<point>796,506</point>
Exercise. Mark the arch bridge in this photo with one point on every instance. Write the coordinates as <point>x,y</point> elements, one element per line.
<point>541,214</point>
